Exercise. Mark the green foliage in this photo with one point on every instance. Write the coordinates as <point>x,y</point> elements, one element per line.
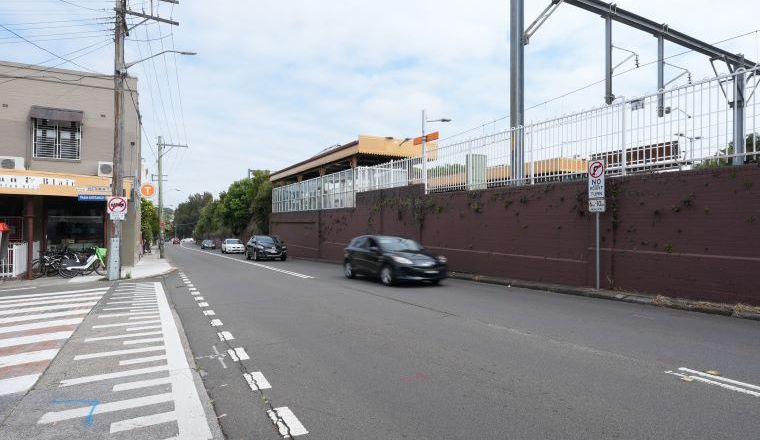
<point>235,206</point>
<point>188,213</point>
<point>752,148</point>
<point>262,206</point>
<point>148,220</point>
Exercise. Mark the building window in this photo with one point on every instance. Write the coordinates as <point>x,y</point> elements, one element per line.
<point>56,139</point>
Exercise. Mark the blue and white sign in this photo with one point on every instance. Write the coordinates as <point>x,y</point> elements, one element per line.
<point>91,198</point>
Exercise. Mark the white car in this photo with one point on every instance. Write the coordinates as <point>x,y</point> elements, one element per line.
<point>232,246</point>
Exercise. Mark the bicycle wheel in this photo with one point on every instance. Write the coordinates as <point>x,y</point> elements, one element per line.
<point>38,268</point>
<point>68,273</point>
<point>99,268</point>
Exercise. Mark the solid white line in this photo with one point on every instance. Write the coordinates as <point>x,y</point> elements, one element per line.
<point>17,288</point>
<point>43,316</point>
<point>153,315</point>
<point>225,336</point>
<point>116,315</point>
<point>65,292</point>
<point>141,422</point>
<point>209,312</point>
<point>144,327</point>
<point>105,338</point>
<point>716,383</point>
<point>59,300</point>
<point>202,304</point>
<point>28,357</point>
<point>216,322</point>
<point>142,341</point>
<point>18,384</point>
<point>124,373</point>
<point>257,381</point>
<point>126,386</point>
<point>142,360</point>
<point>722,379</point>
<point>125,323</point>
<point>238,354</point>
<point>32,339</point>
<point>57,416</point>
<point>264,266</point>
<point>39,325</point>
<point>286,420</point>
<point>46,308</point>
<point>101,354</point>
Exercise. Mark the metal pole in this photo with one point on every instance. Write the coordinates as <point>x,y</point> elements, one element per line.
<point>160,148</point>
<point>597,250</point>
<point>114,258</point>
<point>660,76</point>
<point>424,154</point>
<point>739,142</point>
<point>608,96</point>
<point>517,87</point>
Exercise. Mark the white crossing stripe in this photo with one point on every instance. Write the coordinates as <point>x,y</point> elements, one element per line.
<point>225,336</point>
<point>121,324</point>
<point>216,322</point>
<point>209,312</point>
<point>116,315</point>
<point>38,295</point>
<point>44,316</point>
<point>18,384</point>
<point>101,354</point>
<point>32,339</point>
<point>143,341</point>
<point>198,298</point>
<point>144,327</point>
<point>257,381</point>
<point>39,325</point>
<point>46,308</point>
<point>136,301</point>
<point>238,354</point>
<point>25,358</point>
<point>137,308</point>
<point>57,416</point>
<point>142,360</point>
<point>57,300</point>
<point>195,293</point>
<point>287,422</point>
<point>141,422</point>
<point>107,376</point>
<point>141,384</point>
<point>151,315</point>
<point>130,335</point>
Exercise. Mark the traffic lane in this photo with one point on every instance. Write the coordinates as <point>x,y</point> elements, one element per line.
<point>672,338</point>
<point>362,358</point>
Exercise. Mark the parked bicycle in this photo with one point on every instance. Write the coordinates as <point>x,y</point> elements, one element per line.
<point>95,262</point>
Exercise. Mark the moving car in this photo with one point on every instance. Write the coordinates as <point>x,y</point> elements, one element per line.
<point>208,244</point>
<point>392,259</point>
<point>266,247</point>
<point>232,246</point>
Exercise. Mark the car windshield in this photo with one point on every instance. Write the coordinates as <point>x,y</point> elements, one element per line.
<point>265,239</point>
<point>398,244</point>
<point>234,241</point>
<point>207,242</point>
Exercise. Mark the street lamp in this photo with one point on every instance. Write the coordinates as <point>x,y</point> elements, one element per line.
<point>424,146</point>
<point>181,52</point>
<point>691,140</point>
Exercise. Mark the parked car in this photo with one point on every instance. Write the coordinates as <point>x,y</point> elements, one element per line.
<point>392,259</point>
<point>175,240</point>
<point>266,247</point>
<point>208,244</point>
<point>232,246</point>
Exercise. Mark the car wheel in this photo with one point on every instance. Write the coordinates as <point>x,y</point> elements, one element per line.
<point>284,257</point>
<point>348,270</point>
<point>247,255</point>
<point>435,282</point>
<point>255,256</point>
<point>386,275</point>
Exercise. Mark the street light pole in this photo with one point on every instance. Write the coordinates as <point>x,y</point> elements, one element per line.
<point>160,156</point>
<point>424,147</point>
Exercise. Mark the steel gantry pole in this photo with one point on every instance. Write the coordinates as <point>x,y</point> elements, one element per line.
<point>739,142</point>
<point>660,76</point>
<point>424,154</point>
<point>609,97</point>
<point>517,87</point>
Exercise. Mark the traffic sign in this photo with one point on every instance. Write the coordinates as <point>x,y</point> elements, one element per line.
<point>596,169</point>
<point>117,205</point>
<point>117,216</point>
<point>597,205</point>
<point>148,190</point>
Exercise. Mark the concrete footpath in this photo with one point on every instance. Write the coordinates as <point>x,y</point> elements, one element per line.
<point>121,367</point>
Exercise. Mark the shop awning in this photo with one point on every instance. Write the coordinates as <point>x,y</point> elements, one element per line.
<point>56,114</point>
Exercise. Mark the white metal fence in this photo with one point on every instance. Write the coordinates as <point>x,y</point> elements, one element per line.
<point>687,127</point>
<point>14,262</point>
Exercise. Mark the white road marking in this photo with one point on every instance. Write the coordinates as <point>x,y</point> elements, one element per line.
<point>43,316</point>
<point>57,416</point>
<point>264,266</point>
<point>216,322</point>
<point>130,335</point>
<point>65,292</point>
<point>145,327</point>
<point>116,315</point>
<point>195,293</point>
<point>199,298</point>
<point>141,384</point>
<point>39,325</point>
<point>193,289</point>
<point>56,300</point>
<point>286,422</point>
<point>142,301</point>
<point>141,422</point>
<point>202,304</point>
<point>17,384</point>
<point>724,382</point>
<point>101,354</point>
<point>32,339</point>
<point>25,358</point>
<point>46,308</point>
<point>238,354</point>
<point>17,288</point>
<point>107,376</point>
<point>225,336</point>
<point>209,312</point>
<point>257,381</point>
<point>142,360</point>
<point>143,341</point>
<point>121,324</point>
<point>136,307</point>
<point>152,315</point>
<point>716,383</point>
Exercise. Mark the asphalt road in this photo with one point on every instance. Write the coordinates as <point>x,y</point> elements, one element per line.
<point>354,359</point>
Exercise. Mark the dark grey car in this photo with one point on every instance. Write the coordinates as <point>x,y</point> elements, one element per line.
<point>266,247</point>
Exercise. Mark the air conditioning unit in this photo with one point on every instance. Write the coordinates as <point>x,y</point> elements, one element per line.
<point>105,169</point>
<point>11,163</point>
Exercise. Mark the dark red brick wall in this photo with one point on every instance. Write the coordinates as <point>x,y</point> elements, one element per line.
<point>691,234</point>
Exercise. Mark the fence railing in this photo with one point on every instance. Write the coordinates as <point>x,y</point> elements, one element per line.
<point>14,263</point>
<point>688,127</point>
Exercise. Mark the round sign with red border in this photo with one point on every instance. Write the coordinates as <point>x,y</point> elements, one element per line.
<point>117,205</point>
<point>596,169</point>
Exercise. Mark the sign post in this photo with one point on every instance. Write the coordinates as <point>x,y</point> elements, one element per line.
<point>596,201</point>
<point>117,210</point>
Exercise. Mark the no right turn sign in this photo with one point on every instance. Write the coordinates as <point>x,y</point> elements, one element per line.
<point>596,171</point>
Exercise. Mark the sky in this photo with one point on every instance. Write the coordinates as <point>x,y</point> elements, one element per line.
<point>275,82</point>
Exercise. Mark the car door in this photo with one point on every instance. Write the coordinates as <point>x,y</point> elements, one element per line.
<point>357,255</point>
<point>373,257</point>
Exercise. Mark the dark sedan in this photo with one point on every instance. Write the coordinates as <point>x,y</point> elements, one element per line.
<point>208,244</point>
<point>392,259</point>
<point>265,247</point>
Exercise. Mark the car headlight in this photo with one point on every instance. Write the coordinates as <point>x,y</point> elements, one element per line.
<point>442,259</point>
<point>401,260</point>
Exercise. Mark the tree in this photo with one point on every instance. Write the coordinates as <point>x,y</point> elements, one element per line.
<point>261,200</point>
<point>722,157</point>
<point>148,220</point>
<point>188,213</point>
<point>235,205</point>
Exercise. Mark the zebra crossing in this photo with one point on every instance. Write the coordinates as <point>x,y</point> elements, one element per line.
<point>33,328</point>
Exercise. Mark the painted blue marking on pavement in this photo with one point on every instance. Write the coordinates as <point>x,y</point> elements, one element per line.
<point>93,403</point>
